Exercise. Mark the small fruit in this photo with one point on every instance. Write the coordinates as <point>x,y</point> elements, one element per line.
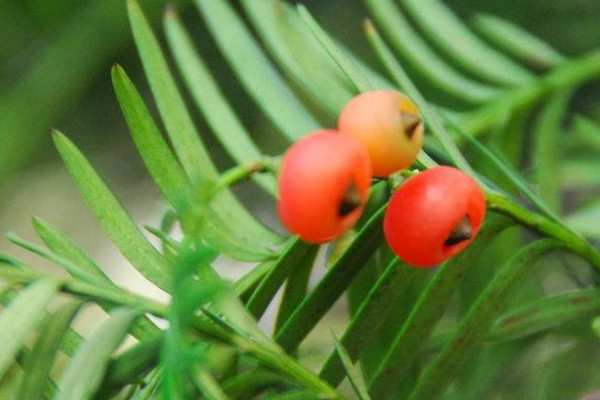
<point>388,124</point>
<point>323,185</point>
<point>433,216</point>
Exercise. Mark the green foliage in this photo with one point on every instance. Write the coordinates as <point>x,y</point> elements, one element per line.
<point>412,333</point>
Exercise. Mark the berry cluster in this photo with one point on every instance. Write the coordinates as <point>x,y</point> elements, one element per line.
<point>325,178</point>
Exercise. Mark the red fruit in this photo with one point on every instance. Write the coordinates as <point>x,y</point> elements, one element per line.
<point>433,216</point>
<point>323,186</point>
<point>388,125</point>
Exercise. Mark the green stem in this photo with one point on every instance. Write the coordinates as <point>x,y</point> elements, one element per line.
<point>244,171</point>
<point>502,205</point>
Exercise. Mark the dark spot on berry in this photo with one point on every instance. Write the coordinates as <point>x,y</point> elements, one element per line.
<point>410,122</point>
<point>461,232</point>
<point>351,200</point>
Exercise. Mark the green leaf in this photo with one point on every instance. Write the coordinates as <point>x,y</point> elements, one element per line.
<point>517,41</point>
<point>111,215</point>
<point>21,317</point>
<point>354,74</point>
<point>70,267</point>
<point>417,53</point>
<point>289,260</point>
<point>208,385</point>
<point>127,367</point>
<point>246,285</point>
<point>63,246</point>
<point>426,313</point>
<point>545,314</point>
<point>453,38</point>
<point>211,101</point>
<point>39,362</point>
<point>547,154</point>
<point>295,288</point>
<point>164,168</point>
<point>84,373</point>
<point>333,285</point>
<point>354,374</point>
<point>588,131</point>
<point>260,79</point>
<point>429,114</point>
<point>372,313</point>
<point>189,147</point>
<point>504,169</point>
<point>478,322</point>
<point>250,383</point>
<point>289,40</point>
<point>175,185</point>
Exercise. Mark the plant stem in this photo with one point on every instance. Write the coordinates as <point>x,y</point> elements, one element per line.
<point>244,171</point>
<point>501,204</point>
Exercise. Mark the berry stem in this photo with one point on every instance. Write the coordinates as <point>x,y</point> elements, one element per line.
<point>502,205</point>
<point>244,171</point>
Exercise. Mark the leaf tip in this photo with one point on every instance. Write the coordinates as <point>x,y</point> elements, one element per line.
<point>368,27</point>
<point>170,12</point>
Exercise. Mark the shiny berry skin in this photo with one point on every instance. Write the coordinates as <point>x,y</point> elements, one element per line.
<point>323,186</point>
<point>388,124</point>
<point>433,216</point>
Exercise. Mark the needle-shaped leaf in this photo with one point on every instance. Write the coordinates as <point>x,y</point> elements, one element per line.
<point>353,372</point>
<point>547,149</point>
<point>455,39</point>
<point>250,383</point>
<point>208,219</point>
<point>333,285</point>
<point>517,41</point>
<point>254,70</point>
<point>72,268</point>
<point>424,60</point>
<point>111,215</point>
<point>295,288</point>
<point>61,245</point>
<point>22,316</point>
<point>545,314</point>
<point>479,320</point>
<point>371,314</point>
<point>504,169</point>
<point>588,131</point>
<point>84,373</point>
<point>289,260</point>
<point>289,40</point>
<point>188,144</point>
<point>210,99</point>
<point>39,362</point>
<point>426,313</point>
<point>346,64</point>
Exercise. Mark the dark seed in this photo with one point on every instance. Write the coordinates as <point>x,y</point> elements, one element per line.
<point>350,202</point>
<point>410,122</point>
<point>461,232</point>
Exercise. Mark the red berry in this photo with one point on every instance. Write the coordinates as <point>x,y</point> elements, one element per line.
<point>433,216</point>
<point>388,125</point>
<point>323,186</point>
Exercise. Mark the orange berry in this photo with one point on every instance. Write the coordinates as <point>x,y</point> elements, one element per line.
<point>389,126</point>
